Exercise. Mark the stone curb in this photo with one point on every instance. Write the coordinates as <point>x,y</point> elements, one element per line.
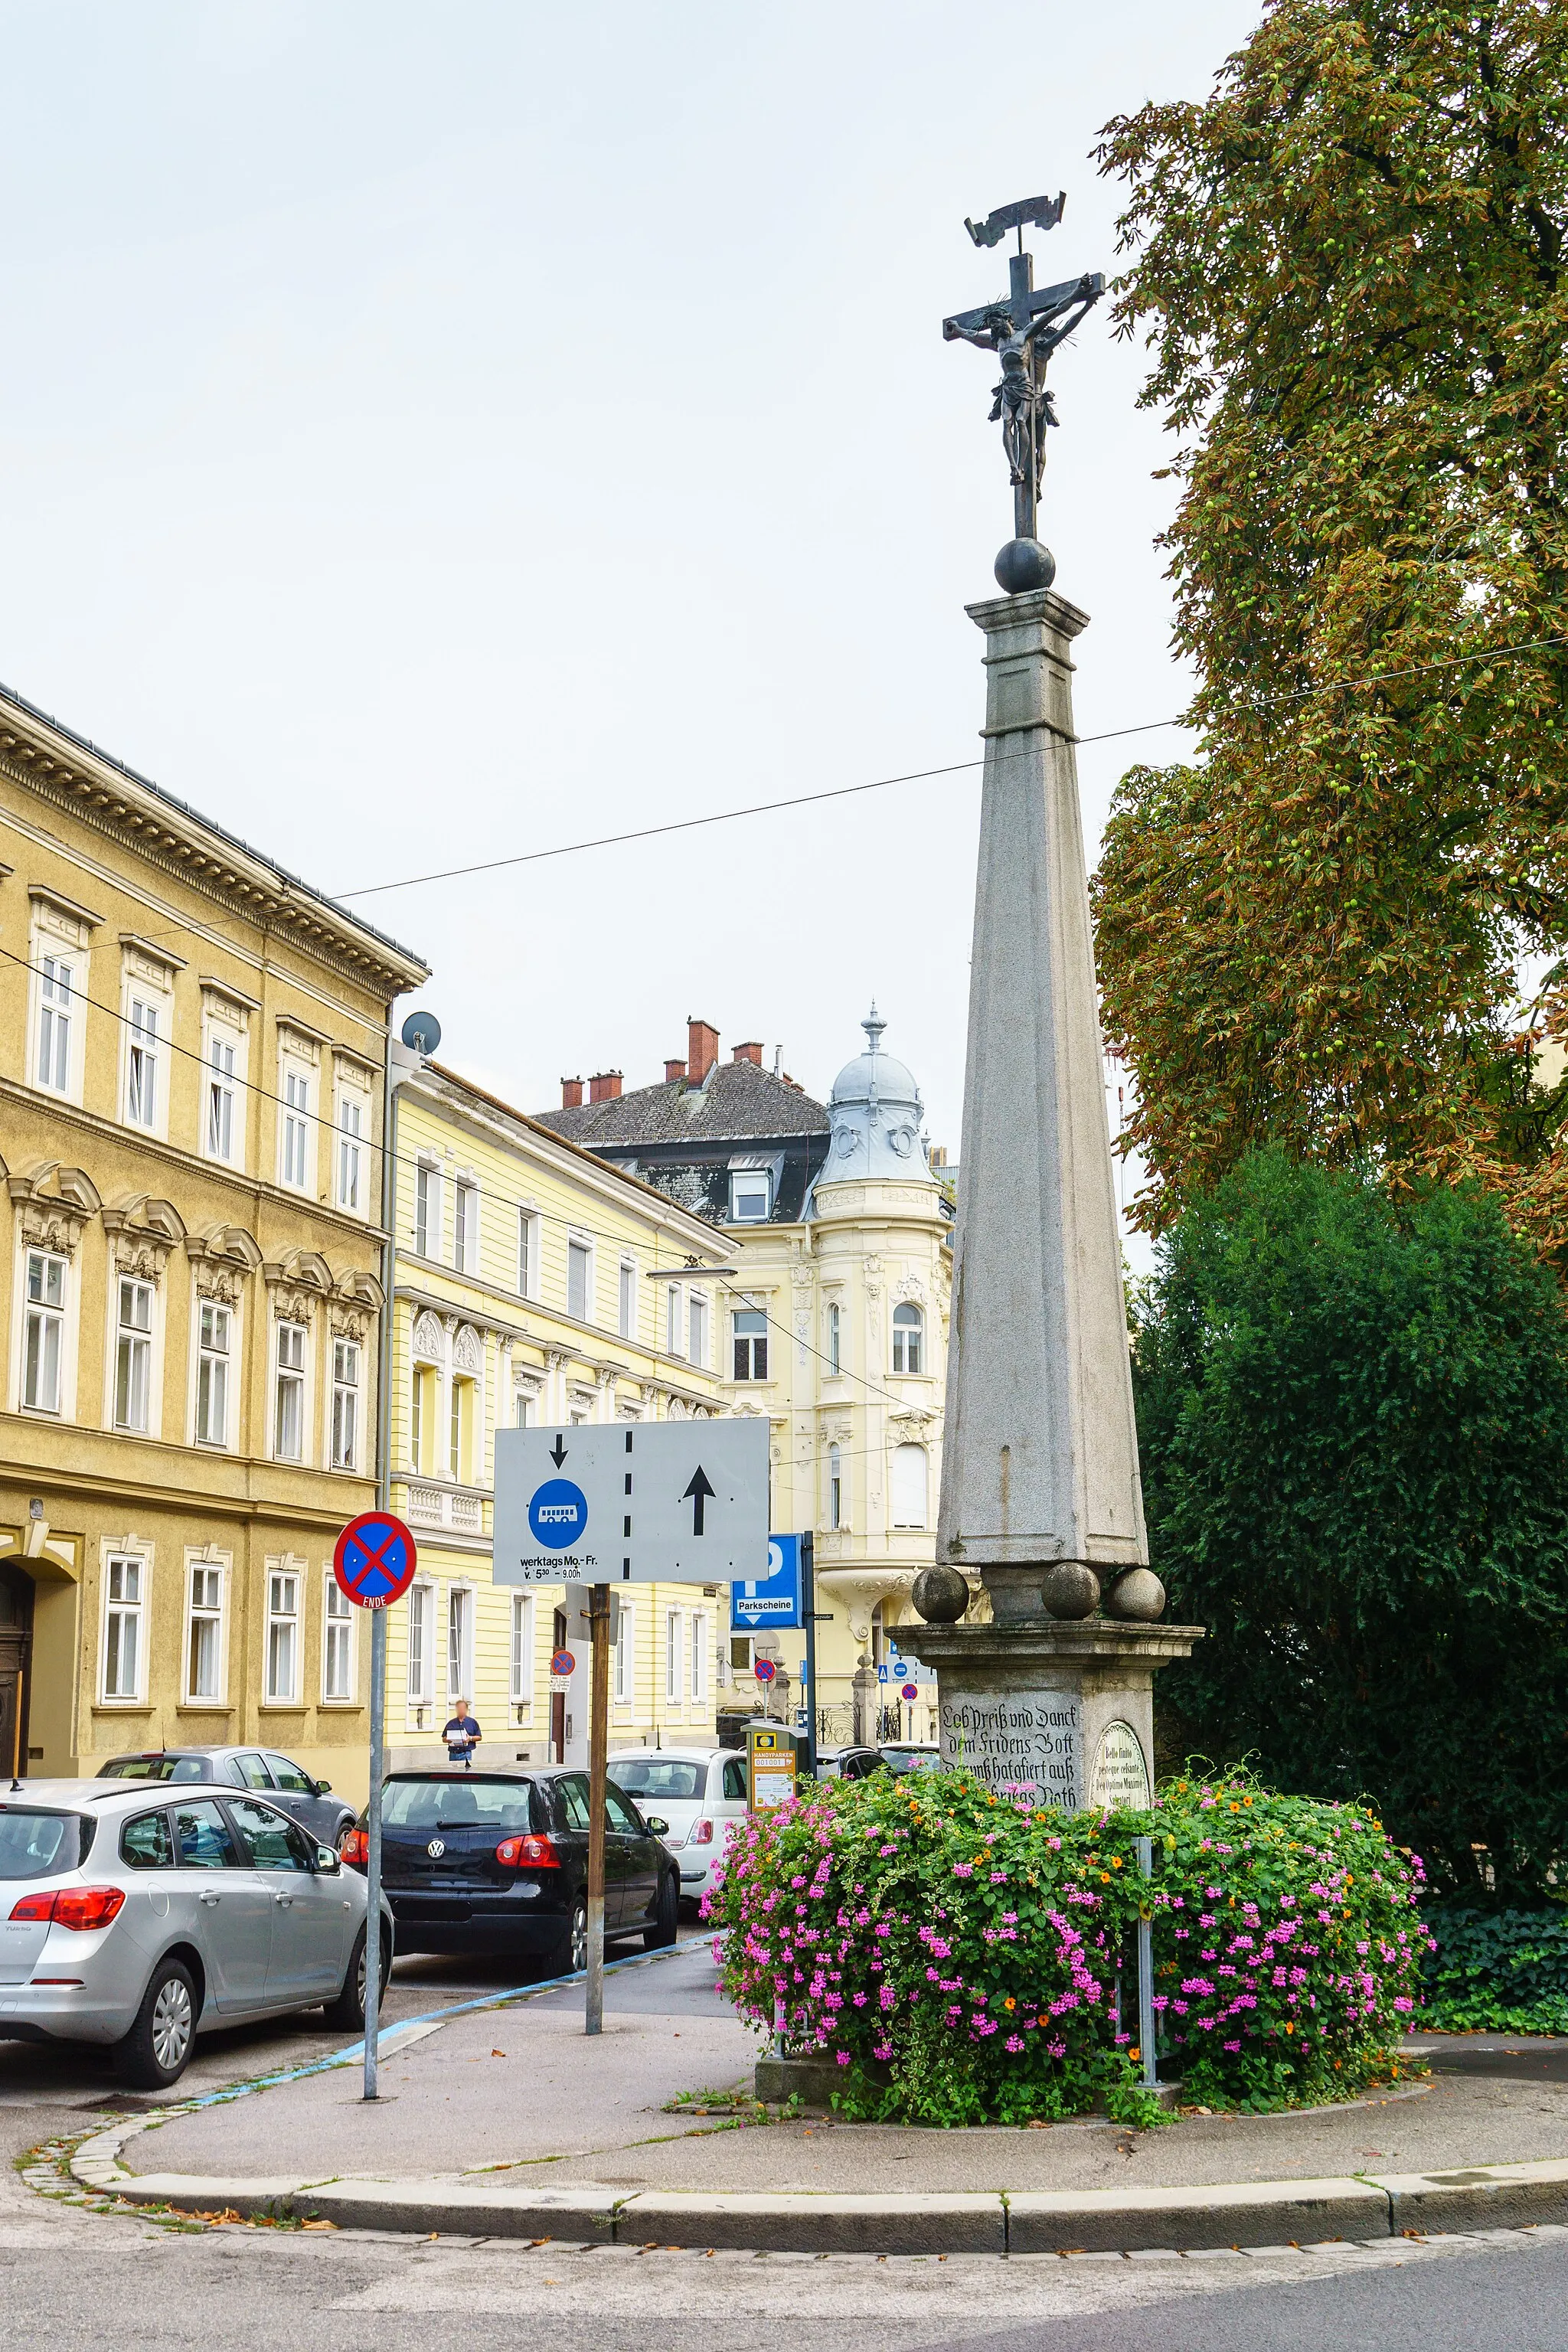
<point>1178,2220</point>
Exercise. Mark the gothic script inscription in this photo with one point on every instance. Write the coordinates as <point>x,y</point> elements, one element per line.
<point>1120,1775</point>
<point>1022,1738</point>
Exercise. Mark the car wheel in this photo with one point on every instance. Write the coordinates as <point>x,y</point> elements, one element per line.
<point>157,2050</point>
<point>344,1832</point>
<point>665,1921</point>
<point>572,1951</point>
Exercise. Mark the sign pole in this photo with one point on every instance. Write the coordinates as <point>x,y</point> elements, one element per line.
<point>372,1865</point>
<point>598,1760</point>
<point>808,1610</point>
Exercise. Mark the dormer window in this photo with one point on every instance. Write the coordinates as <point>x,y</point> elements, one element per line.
<point>751,1196</point>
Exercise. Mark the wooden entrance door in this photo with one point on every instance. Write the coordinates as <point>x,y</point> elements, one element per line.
<point>16,1658</point>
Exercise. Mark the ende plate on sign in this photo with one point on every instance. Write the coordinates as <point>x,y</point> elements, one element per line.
<point>686,1500</point>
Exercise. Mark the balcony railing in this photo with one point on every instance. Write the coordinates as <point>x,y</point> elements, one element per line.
<point>446,1507</point>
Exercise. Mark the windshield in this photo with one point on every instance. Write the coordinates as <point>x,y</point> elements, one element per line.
<point>657,1776</point>
<point>473,1802</point>
<point>40,1845</point>
<point>156,1768</point>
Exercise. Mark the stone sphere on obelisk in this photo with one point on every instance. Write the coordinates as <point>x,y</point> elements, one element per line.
<point>1040,1492</point>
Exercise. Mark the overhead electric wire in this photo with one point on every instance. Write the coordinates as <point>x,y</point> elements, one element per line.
<point>921,775</point>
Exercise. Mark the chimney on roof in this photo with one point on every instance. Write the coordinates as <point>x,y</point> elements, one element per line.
<point>571,1094</point>
<point>751,1052</point>
<point>606,1087</point>
<point>676,1069</point>
<point>702,1050</point>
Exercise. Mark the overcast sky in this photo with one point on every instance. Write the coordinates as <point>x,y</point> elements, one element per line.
<point>434,432</point>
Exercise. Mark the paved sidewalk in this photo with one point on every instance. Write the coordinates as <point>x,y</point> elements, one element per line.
<point>494,2119</point>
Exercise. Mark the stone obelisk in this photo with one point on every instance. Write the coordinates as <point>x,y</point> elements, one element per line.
<point>1040,1448</point>
<point>1040,1491</point>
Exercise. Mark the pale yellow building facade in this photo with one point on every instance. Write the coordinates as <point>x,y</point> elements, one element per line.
<point>192,1063</point>
<point>535,1286</point>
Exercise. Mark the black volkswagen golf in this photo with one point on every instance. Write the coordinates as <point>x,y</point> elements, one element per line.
<point>497,1861</point>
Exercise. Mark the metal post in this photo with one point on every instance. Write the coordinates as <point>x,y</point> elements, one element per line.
<point>598,1756</point>
<point>372,1986</point>
<point>808,1600</point>
<point>1146,1968</point>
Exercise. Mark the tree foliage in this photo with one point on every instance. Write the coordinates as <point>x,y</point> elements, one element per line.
<point>1353,1422</point>
<point>1349,267</point>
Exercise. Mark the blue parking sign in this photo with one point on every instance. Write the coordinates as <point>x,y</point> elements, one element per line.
<point>772,1600</point>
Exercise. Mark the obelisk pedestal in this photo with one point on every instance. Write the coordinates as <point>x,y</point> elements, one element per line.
<point>1040,1491</point>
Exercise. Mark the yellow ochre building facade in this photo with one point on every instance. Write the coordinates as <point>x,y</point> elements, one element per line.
<point>193,1052</point>
<point>535,1286</point>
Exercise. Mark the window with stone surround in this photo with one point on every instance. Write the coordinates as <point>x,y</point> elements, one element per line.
<point>46,1280</point>
<point>133,1354</point>
<point>288,1400</point>
<point>908,1332</point>
<point>124,1642</point>
<point>215,1340</point>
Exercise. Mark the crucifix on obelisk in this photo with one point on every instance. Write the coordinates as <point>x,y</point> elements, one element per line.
<point>1052,1684</point>
<point>1024,328</point>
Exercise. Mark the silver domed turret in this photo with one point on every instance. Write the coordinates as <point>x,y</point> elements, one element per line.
<point>876,1112</point>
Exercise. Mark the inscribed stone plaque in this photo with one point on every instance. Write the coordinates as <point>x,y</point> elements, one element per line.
<point>1029,1739</point>
<point>1120,1775</point>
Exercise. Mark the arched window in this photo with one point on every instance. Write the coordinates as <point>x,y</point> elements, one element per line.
<point>835,1487</point>
<point>908,1325</point>
<point>908,1486</point>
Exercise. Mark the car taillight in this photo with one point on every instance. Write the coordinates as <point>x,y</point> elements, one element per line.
<point>355,1847</point>
<point>702,1834</point>
<point>528,1853</point>
<point>73,1907</point>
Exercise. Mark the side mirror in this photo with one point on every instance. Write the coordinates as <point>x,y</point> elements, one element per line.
<point>324,1787</point>
<point>660,1827</point>
<point>328,1862</point>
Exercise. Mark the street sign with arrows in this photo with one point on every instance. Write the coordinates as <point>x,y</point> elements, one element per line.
<point>629,1503</point>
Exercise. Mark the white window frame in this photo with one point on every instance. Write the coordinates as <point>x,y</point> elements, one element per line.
<point>580,1252</point>
<point>427,1217</point>
<point>903,1333</point>
<point>700,1328</point>
<point>835,1336</point>
<point>120,1610</point>
<point>339,1643</point>
<point>351,1150</point>
<point>220,1359</point>
<point>213,1574</point>
<point>527,1253</point>
<point>146,1038</point>
<point>622,1653</point>
<point>674,1318</point>
<point>627,1298</point>
<point>132,1345</point>
<point>424,1406</point>
<point>697,1656</point>
<point>459,1615</point>
<point>744,1344</point>
<point>673,1627</point>
<point>463,1424</point>
<point>904,1454</point>
<point>750,1181</point>
<point>835,1512</point>
<point>285,1625</point>
<point>48,1314</point>
<point>522,1651</point>
<point>298,1379</point>
<point>421,1628</point>
<point>297,1081</point>
<point>466,1224</point>
<point>57,1013</point>
<point>522,1406</point>
<point>348,1367</point>
<point>220,1097</point>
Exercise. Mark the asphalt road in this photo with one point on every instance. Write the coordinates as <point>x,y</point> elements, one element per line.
<point>68,2277</point>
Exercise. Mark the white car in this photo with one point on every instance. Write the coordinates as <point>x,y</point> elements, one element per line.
<point>137,1915</point>
<point>699,1792</point>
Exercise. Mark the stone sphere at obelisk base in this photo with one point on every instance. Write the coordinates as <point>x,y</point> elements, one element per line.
<point>1041,1503</point>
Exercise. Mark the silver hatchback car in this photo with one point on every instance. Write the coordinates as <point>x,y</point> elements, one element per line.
<point>139,1918</point>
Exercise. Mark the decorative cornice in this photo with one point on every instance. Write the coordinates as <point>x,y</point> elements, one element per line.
<point>64,769</point>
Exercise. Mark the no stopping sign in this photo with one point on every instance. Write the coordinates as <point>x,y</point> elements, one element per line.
<point>375,1559</point>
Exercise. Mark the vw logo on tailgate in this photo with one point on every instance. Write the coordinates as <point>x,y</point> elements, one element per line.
<point>435,1849</point>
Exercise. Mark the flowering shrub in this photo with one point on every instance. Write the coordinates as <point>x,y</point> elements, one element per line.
<point>969,1957</point>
